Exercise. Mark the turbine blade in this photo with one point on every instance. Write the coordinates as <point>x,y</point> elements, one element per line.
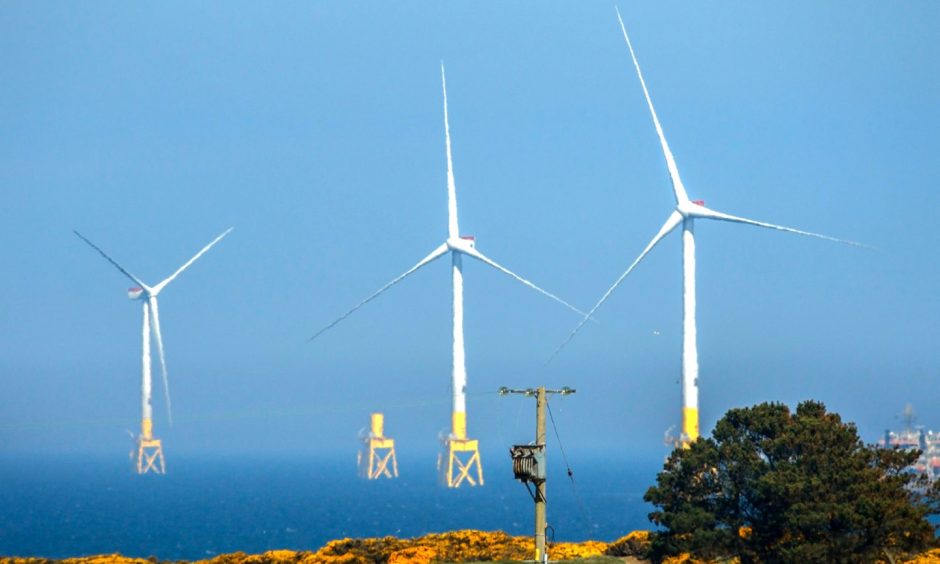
<point>677,188</point>
<point>453,231</point>
<point>435,254</point>
<point>158,336</point>
<point>483,258</point>
<point>673,221</point>
<point>702,211</point>
<point>136,280</point>
<point>161,285</point>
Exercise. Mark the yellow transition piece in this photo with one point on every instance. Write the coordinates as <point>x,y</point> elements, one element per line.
<point>377,456</point>
<point>689,425</point>
<point>462,455</point>
<point>149,456</point>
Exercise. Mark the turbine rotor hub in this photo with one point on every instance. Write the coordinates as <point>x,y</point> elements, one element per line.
<point>690,207</point>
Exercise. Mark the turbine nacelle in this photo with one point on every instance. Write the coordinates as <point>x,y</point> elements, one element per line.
<point>135,293</point>
<point>462,243</point>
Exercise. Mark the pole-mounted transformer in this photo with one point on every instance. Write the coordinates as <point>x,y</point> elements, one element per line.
<point>528,462</point>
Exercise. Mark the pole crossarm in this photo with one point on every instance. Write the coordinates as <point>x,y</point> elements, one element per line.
<point>533,392</point>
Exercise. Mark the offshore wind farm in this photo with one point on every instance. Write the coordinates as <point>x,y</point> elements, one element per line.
<point>570,213</point>
<point>317,131</point>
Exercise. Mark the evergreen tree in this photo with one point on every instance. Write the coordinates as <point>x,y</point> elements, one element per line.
<point>776,486</point>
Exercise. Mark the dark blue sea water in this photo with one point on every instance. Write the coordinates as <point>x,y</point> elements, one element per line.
<point>78,505</point>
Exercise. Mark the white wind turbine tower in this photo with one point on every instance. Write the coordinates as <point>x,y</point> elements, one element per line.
<point>685,213</point>
<point>149,456</point>
<point>462,454</point>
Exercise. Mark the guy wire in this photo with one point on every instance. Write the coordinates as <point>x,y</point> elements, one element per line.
<point>574,487</point>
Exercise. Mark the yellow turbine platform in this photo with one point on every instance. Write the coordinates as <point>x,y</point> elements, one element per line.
<point>689,426</point>
<point>377,456</point>
<point>462,456</point>
<point>149,451</point>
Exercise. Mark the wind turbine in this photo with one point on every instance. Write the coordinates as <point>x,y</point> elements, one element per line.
<point>685,214</point>
<point>150,450</point>
<point>462,453</point>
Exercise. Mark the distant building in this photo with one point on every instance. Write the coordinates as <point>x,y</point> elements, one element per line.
<point>915,437</point>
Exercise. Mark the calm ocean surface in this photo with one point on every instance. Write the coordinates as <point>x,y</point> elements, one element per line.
<point>79,505</point>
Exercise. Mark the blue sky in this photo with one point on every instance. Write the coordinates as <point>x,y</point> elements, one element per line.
<point>316,130</point>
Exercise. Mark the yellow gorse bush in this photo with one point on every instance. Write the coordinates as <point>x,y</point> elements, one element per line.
<point>455,546</point>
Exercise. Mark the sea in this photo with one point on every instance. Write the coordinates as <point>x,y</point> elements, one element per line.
<point>58,506</point>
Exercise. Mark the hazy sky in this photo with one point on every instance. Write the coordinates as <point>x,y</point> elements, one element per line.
<point>316,129</point>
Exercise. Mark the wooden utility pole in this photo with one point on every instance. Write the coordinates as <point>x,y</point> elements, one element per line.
<point>540,523</point>
<point>528,461</point>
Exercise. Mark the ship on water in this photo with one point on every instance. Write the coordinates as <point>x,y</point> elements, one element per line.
<point>916,437</point>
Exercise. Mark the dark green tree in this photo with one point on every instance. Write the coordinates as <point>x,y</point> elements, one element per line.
<point>776,486</point>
